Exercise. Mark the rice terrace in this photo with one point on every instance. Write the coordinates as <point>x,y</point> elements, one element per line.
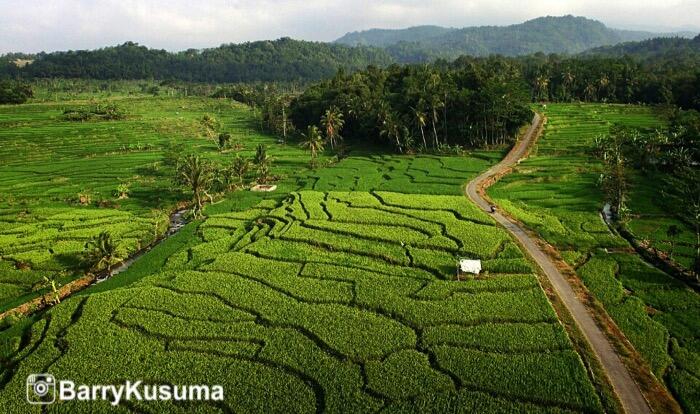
<point>398,221</point>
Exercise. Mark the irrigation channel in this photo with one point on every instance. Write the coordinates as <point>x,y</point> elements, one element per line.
<point>177,221</point>
<point>624,385</point>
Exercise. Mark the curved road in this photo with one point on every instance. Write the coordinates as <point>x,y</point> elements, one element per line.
<point>626,389</point>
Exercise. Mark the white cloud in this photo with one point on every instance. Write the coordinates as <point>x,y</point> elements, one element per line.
<point>34,25</point>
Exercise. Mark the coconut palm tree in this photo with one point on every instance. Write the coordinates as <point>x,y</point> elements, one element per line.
<point>263,161</point>
<point>421,120</point>
<point>603,84</point>
<point>567,80</point>
<point>542,85</point>
<point>197,174</point>
<point>591,92</point>
<point>210,124</point>
<point>240,167</point>
<point>391,129</point>
<point>313,142</point>
<point>332,123</point>
<point>101,253</point>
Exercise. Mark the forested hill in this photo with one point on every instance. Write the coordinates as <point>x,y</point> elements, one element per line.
<point>566,34</point>
<point>280,60</point>
<point>653,49</point>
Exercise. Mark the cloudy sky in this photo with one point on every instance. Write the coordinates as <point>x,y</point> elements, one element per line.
<point>36,25</point>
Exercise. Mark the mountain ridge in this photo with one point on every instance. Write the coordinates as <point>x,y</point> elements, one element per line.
<point>549,34</point>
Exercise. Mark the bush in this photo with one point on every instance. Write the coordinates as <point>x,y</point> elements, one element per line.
<point>99,112</point>
<point>14,92</point>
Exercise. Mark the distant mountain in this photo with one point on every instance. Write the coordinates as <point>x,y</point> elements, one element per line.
<point>388,37</point>
<point>566,34</point>
<point>295,60</point>
<point>279,60</point>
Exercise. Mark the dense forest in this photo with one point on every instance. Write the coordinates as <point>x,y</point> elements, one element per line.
<point>292,60</point>
<point>565,34</point>
<point>280,60</point>
<point>657,71</point>
<point>615,79</point>
<point>427,107</point>
<point>652,49</point>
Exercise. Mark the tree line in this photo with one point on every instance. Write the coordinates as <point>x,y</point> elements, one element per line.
<point>419,107</point>
<point>613,79</point>
<point>657,71</point>
<point>279,60</point>
<point>471,102</point>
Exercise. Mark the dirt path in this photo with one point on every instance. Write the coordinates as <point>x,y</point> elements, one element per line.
<point>626,389</point>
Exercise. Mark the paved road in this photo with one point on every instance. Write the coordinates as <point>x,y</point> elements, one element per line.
<point>626,389</point>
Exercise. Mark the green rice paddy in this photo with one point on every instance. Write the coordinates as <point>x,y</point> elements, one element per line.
<point>555,192</point>
<point>47,164</point>
<point>334,294</point>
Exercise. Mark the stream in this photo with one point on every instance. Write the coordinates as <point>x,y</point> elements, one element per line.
<point>607,214</point>
<point>177,221</point>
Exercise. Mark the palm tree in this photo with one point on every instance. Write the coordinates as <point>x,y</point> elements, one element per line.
<point>211,125</point>
<point>566,83</point>
<point>391,129</point>
<point>332,123</point>
<point>197,174</point>
<point>603,83</point>
<point>102,252</point>
<point>542,85</point>
<point>614,178</point>
<point>590,92</point>
<point>263,162</point>
<point>313,142</point>
<point>422,120</point>
<point>240,167</point>
<point>435,96</point>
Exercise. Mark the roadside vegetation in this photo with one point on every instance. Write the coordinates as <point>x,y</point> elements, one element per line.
<point>559,192</point>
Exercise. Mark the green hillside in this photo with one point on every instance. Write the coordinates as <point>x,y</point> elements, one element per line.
<point>656,48</point>
<point>279,60</point>
<point>566,34</point>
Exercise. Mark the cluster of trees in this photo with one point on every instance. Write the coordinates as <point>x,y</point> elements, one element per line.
<point>671,156</point>
<point>636,75</point>
<point>436,107</point>
<point>279,60</point>
<point>14,92</point>
<point>203,177</point>
<point>269,102</point>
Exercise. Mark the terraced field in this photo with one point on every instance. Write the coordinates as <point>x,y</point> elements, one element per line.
<point>555,192</point>
<point>329,302</point>
<point>409,174</point>
<point>334,294</point>
<point>651,220</point>
<point>46,163</point>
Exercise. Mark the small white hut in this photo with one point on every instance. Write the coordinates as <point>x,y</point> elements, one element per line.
<point>468,266</point>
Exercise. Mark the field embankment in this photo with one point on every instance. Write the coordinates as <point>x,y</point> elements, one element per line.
<point>555,193</point>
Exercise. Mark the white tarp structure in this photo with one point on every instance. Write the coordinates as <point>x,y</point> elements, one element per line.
<point>470,266</point>
<point>263,187</point>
